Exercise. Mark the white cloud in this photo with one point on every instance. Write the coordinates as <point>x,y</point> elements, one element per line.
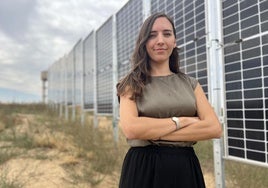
<point>9,49</point>
<point>44,34</point>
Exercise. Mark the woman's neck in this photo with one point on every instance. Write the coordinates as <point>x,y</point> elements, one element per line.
<point>160,70</point>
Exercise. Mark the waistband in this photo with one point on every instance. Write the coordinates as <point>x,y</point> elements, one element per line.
<point>143,143</point>
<point>153,149</point>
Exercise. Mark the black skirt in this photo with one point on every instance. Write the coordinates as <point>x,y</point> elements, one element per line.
<point>161,167</point>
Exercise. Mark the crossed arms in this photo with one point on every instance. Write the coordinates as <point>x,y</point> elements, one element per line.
<point>205,126</point>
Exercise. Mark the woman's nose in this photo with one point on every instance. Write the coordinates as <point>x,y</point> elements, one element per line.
<point>160,39</point>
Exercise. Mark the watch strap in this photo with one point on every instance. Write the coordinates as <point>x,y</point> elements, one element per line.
<point>176,121</point>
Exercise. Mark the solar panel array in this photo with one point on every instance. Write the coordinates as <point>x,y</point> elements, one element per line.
<point>245,43</point>
<point>245,25</point>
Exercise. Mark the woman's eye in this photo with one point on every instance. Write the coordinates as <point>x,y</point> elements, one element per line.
<point>167,34</point>
<point>152,36</point>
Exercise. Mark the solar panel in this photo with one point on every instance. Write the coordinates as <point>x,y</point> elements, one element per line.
<point>245,53</point>
<point>70,78</point>
<point>54,82</point>
<point>61,66</point>
<point>78,71</point>
<point>128,23</point>
<point>104,58</point>
<point>50,78</point>
<point>89,67</point>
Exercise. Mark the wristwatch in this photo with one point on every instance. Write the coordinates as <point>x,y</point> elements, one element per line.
<point>177,122</point>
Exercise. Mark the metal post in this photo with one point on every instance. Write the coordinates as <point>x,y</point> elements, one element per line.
<point>215,80</point>
<point>74,84</point>
<point>60,86</point>
<point>146,8</point>
<point>115,80</point>
<point>44,91</point>
<point>65,86</point>
<point>95,121</point>
<point>83,74</point>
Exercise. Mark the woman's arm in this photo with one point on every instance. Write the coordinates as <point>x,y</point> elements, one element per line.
<point>143,128</point>
<point>207,127</point>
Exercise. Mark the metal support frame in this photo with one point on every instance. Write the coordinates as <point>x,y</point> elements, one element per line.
<point>95,121</point>
<point>215,80</point>
<point>73,84</point>
<point>146,8</point>
<point>83,84</point>
<point>115,80</point>
<point>216,87</point>
<point>66,88</point>
<point>60,87</point>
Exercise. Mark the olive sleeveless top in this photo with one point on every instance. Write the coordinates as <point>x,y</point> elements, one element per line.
<point>165,97</point>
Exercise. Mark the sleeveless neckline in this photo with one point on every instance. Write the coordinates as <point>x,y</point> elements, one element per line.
<point>166,76</point>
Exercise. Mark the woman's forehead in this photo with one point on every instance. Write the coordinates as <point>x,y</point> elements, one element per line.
<point>162,24</point>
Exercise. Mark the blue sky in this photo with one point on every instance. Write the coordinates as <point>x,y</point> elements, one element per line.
<point>12,95</point>
<point>36,33</point>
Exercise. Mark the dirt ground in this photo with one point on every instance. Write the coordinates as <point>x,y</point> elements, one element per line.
<point>44,167</point>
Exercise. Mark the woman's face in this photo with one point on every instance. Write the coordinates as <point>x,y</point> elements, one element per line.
<point>161,41</point>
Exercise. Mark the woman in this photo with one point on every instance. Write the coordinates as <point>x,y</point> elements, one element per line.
<point>163,112</point>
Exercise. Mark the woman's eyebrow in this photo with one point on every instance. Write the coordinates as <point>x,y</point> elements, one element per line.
<point>165,30</point>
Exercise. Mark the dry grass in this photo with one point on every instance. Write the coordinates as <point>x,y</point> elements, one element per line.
<point>86,155</point>
<point>39,149</point>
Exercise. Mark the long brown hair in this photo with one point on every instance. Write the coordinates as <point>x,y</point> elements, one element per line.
<point>139,75</point>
